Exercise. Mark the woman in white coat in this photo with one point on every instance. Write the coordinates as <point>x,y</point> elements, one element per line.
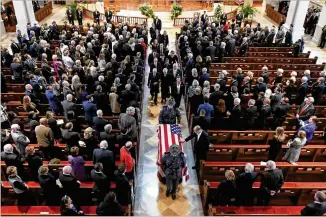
<point>293,153</point>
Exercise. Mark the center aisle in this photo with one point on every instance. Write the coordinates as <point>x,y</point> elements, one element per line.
<point>150,199</point>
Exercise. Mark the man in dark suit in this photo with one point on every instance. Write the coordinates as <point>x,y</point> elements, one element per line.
<point>31,93</point>
<point>270,184</point>
<point>11,157</point>
<point>201,120</point>
<point>104,156</point>
<point>318,89</point>
<point>122,138</point>
<point>261,86</point>
<point>152,56</point>
<point>235,115</point>
<point>264,114</point>
<point>201,144</point>
<point>108,15</point>
<point>99,122</point>
<point>68,105</point>
<point>80,16</point>
<point>102,100</point>
<point>216,95</point>
<point>302,90</point>
<point>69,183</point>
<point>318,207</point>
<point>15,47</point>
<point>158,23</point>
<point>203,18</point>
<point>250,114</point>
<point>306,109</point>
<point>70,137</point>
<point>177,91</point>
<point>211,50</point>
<point>89,109</point>
<point>244,182</point>
<point>280,110</point>
<point>70,16</point>
<point>101,181</point>
<point>126,97</point>
<point>109,137</point>
<point>166,79</point>
<point>154,84</point>
<point>96,15</point>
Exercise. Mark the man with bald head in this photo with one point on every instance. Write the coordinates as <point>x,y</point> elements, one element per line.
<point>45,138</point>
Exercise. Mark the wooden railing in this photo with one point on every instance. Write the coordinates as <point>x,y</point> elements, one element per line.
<point>273,14</point>
<point>43,12</point>
<point>180,21</point>
<point>117,19</point>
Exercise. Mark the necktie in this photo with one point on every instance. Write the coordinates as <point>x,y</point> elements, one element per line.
<point>303,109</point>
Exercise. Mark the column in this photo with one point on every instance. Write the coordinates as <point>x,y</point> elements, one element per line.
<point>99,5</point>
<point>2,28</point>
<point>296,16</point>
<point>24,14</point>
<point>321,23</point>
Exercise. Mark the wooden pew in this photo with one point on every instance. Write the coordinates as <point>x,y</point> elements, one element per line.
<point>291,193</point>
<point>303,172</point>
<point>272,73</point>
<point>284,60</point>
<point>255,152</point>
<point>255,210</point>
<point>269,49</point>
<point>254,136</point>
<point>276,54</point>
<point>48,210</point>
<point>271,66</point>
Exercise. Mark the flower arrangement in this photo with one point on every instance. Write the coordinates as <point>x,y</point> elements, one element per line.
<point>147,11</point>
<point>176,11</point>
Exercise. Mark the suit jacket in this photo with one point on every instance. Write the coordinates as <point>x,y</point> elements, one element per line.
<point>154,79</point>
<point>99,124</point>
<point>158,24</point>
<point>272,180</point>
<point>174,89</point>
<point>68,106</point>
<point>106,158</point>
<point>101,182</point>
<point>215,97</point>
<point>251,113</point>
<point>70,137</point>
<point>110,138</point>
<point>79,14</point>
<point>305,115</point>
<point>314,209</point>
<point>211,51</point>
<point>44,136</point>
<point>69,184</point>
<point>302,92</point>
<point>90,110</point>
<point>126,97</point>
<point>280,110</point>
<point>202,121</point>
<point>201,146</point>
<point>236,113</point>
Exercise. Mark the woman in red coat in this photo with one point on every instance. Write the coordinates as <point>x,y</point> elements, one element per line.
<point>126,158</point>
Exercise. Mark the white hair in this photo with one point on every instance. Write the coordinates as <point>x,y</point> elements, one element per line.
<point>249,168</point>
<point>69,97</point>
<point>15,127</point>
<point>304,79</point>
<point>271,165</point>
<point>237,101</point>
<point>104,144</point>
<point>101,78</point>
<point>8,148</point>
<point>99,113</point>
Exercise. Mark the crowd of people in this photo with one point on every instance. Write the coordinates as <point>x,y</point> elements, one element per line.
<point>84,78</point>
<point>103,71</point>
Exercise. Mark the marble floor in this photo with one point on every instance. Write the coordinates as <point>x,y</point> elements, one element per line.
<point>150,199</point>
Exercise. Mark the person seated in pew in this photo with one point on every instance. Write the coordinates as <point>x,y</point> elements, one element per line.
<point>69,183</point>
<point>77,163</point>
<point>244,182</point>
<point>20,188</point>
<point>293,153</point>
<point>275,144</point>
<point>68,208</point>
<point>102,182</point>
<point>270,184</point>
<point>316,208</point>
<point>309,127</point>
<point>110,206</point>
<point>226,189</point>
<point>34,161</point>
<point>50,188</point>
<point>122,185</point>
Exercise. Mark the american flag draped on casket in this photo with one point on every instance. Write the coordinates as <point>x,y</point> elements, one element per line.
<point>169,134</point>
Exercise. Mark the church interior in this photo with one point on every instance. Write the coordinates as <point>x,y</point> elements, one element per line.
<point>163,107</point>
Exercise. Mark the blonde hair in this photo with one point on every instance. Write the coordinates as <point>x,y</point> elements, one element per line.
<point>11,170</point>
<point>29,150</point>
<point>279,136</point>
<point>302,134</point>
<point>229,175</point>
<point>88,133</point>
